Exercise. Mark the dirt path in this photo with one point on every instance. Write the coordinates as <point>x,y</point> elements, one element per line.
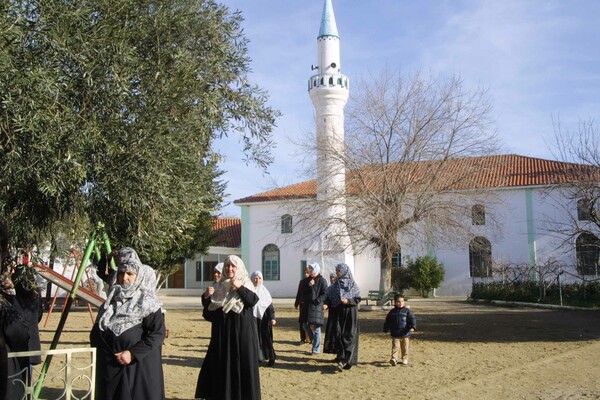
<point>461,351</point>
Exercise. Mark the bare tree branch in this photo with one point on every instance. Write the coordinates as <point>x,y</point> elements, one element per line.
<point>409,156</point>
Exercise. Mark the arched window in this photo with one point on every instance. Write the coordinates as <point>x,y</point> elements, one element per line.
<point>478,214</point>
<point>270,262</point>
<point>480,257</point>
<point>584,210</point>
<point>286,223</point>
<point>587,247</point>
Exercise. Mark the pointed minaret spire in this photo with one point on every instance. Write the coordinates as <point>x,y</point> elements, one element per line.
<point>328,26</point>
<point>329,91</point>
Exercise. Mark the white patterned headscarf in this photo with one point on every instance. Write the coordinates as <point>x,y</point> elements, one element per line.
<point>229,299</point>
<point>127,305</point>
<point>264,297</point>
<point>316,268</point>
<point>218,296</point>
<point>218,268</point>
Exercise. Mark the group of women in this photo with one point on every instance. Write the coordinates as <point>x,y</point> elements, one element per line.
<point>341,299</point>
<point>241,311</point>
<point>129,332</point>
<point>130,329</point>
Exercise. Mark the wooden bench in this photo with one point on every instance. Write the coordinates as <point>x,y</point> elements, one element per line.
<point>374,295</point>
<point>378,295</point>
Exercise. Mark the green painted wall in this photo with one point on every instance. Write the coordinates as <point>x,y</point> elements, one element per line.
<point>245,234</point>
<point>530,230</point>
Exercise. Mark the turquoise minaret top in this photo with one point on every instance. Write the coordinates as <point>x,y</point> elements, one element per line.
<point>328,26</point>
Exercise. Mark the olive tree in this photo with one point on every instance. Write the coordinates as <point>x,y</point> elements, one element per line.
<point>108,112</point>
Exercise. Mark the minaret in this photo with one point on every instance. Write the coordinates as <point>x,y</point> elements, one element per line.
<point>329,91</point>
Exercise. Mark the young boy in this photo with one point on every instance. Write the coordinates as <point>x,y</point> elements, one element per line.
<point>400,322</point>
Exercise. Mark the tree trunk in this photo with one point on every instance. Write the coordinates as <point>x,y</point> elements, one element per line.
<point>385,277</point>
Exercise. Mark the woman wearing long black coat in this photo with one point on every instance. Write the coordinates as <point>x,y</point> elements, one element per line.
<point>316,316</point>
<point>330,328</point>
<point>14,330</point>
<point>230,368</point>
<point>264,312</point>
<point>128,334</point>
<point>344,297</point>
<point>301,304</point>
<point>213,313</point>
<point>29,301</point>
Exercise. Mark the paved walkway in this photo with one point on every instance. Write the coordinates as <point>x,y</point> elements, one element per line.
<point>187,299</point>
<point>175,302</point>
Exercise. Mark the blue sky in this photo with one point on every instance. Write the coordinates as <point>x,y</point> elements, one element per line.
<point>537,58</point>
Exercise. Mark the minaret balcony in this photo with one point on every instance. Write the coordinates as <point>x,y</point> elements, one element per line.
<point>328,80</point>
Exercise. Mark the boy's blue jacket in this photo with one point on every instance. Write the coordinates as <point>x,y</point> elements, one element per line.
<point>399,321</point>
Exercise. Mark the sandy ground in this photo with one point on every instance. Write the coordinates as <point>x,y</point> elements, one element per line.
<point>461,351</point>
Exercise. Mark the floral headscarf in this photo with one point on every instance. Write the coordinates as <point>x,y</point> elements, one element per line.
<point>127,306</point>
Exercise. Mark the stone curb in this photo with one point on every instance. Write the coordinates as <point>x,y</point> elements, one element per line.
<point>531,305</point>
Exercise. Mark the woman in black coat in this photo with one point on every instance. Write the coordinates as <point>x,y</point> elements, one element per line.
<point>30,303</point>
<point>14,331</point>
<point>315,317</point>
<point>301,303</point>
<point>128,335</point>
<point>344,297</point>
<point>264,312</point>
<point>230,368</point>
<point>330,329</point>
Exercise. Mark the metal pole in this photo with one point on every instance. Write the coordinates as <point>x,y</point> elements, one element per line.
<point>560,287</point>
<point>108,247</point>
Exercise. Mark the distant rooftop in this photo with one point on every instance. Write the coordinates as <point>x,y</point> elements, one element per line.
<point>230,232</point>
<point>500,171</point>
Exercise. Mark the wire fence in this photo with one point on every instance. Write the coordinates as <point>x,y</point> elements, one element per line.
<point>550,283</point>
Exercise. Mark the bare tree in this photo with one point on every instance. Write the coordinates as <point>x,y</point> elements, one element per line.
<point>410,167</point>
<point>577,199</point>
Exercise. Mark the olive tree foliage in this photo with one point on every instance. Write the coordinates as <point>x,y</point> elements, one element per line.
<point>577,198</point>
<point>107,115</point>
<point>403,137</point>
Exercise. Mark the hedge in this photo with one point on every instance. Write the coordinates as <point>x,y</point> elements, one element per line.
<point>573,294</point>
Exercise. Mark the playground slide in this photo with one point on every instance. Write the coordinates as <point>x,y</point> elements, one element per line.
<point>66,284</point>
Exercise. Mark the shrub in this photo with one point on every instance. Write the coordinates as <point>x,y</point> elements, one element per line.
<point>426,273</point>
<point>401,279</point>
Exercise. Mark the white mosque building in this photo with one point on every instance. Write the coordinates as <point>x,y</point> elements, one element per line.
<point>271,242</point>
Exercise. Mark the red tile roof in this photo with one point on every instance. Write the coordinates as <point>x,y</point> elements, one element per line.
<point>230,232</point>
<point>498,171</point>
